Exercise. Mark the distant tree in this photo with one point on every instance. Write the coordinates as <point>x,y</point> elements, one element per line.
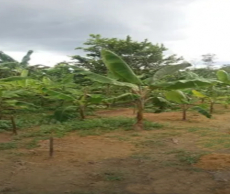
<point>142,56</point>
<point>209,60</point>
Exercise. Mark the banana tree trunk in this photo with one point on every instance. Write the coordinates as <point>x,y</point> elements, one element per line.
<point>140,115</point>
<point>82,112</point>
<point>134,109</point>
<point>211,108</point>
<point>184,110</point>
<point>14,125</point>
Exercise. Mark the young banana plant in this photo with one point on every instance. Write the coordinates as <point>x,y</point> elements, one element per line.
<point>10,95</point>
<point>215,93</point>
<point>185,101</point>
<point>77,100</point>
<point>212,95</point>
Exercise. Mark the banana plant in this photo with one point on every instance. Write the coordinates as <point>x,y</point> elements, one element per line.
<point>212,95</point>
<point>215,93</point>
<point>223,76</point>
<point>185,102</point>
<point>72,100</point>
<point>120,74</point>
<point>10,98</point>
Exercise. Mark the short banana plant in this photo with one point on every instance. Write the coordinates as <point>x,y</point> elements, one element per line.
<point>121,74</point>
<point>9,95</point>
<point>73,100</point>
<point>217,92</point>
<point>212,95</point>
<point>185,102</point>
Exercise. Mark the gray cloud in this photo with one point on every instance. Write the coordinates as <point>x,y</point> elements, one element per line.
<point>61,25</point>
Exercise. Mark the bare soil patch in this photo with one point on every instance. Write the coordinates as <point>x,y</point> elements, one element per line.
<point>160,161</point>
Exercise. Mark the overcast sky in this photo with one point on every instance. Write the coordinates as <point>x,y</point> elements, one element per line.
<point>53,28</point>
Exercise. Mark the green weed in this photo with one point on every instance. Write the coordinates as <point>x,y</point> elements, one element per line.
<point>32,144</point>
<point>113,176</point>
<point>8,145</point>
<point>5,125</point>
<point>187,157</point>
<point>96,126</point>
<point>148,125</point>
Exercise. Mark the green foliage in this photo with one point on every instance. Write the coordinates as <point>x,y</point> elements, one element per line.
<point>198,94</point>
<point>119,68</point>
<point>8,145</point>
<point>138,76</point>
<point>187,157</point>
<point>176,96</point>
<point>5,125</point>
<point>113,176</point>
<point>148,125</point>
<point>223,76</point>
<point>184,84</point>
<point>95,126</point>
<point>141,56</point>
<point>202,111</point>
<point>63,114</point>
<point>170,69</point>
<point>32,144</point>
<point>105,80</point>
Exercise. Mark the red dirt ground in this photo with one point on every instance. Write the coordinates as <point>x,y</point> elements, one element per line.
<point>123,162</point>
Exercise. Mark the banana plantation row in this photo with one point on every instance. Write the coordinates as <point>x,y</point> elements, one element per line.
<point>66,89</point>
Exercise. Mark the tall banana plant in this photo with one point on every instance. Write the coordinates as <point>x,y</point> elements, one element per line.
<point>121,74</point>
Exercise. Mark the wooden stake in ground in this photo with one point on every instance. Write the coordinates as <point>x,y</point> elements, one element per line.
<point>51,146</point>
<point>14,125</point>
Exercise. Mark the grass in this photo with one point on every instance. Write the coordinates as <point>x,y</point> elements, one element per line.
<point>96,126</point>
<point>151,143</point>
<point>32,144</point>
<point>25,120</point>
<point>113,176</point>
<point>199,129</point>
<point>8,145</point>
<point>5,125</point>
<point>187,157</point>
<point>211,138</point>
